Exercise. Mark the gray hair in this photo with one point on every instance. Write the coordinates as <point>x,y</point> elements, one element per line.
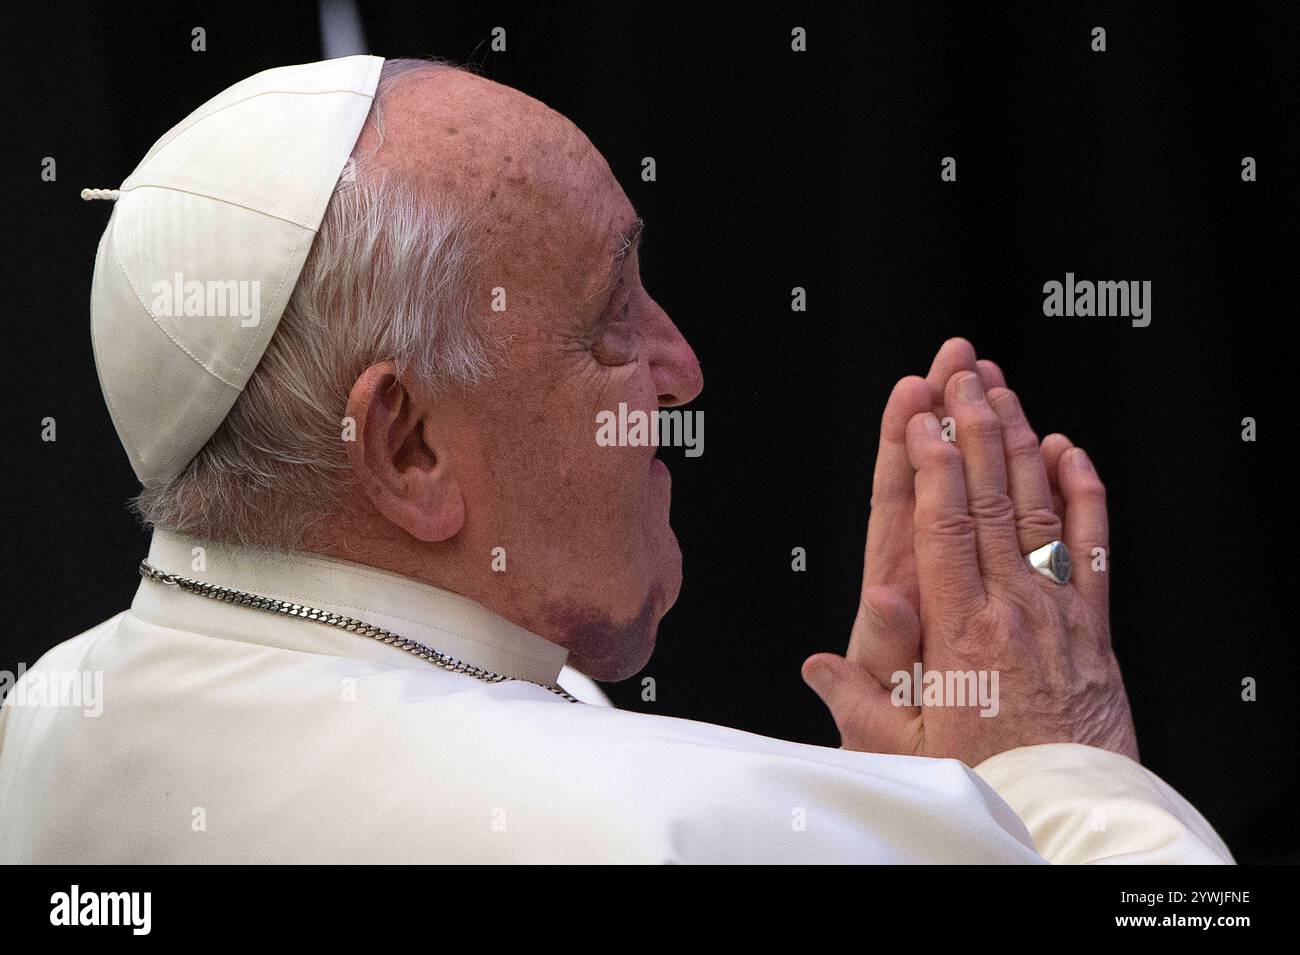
<point>390,276</point>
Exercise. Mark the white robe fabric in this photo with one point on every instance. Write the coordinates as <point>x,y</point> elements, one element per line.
<point>230,734</point>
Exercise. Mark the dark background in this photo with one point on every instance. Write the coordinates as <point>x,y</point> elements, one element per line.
<point>817,169</point>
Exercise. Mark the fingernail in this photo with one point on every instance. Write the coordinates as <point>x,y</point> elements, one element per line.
<point>969,387</point>
<point>1081,460</point>
<point>819,679</point>
<point>932,427</point>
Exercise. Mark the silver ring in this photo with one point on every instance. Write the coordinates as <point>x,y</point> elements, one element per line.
<point>1052,561</point>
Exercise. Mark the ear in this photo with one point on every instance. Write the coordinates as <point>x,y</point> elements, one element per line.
<point>400,460</point>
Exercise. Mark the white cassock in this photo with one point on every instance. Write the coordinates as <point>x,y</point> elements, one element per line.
<point>231,734</point>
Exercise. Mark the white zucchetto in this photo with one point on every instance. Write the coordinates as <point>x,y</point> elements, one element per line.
<point>204,247</point>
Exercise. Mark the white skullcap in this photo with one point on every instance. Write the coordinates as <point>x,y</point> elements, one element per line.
<point>205,245</point>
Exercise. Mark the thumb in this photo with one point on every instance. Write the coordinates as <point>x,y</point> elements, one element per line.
<point>886,635</point>
<point>867,719</point>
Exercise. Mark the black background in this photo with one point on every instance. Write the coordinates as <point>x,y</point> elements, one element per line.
<point>817,169</point>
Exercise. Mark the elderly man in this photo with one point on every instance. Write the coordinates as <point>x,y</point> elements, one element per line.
<point>383,525</point>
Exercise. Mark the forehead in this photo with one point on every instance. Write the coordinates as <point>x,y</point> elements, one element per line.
<point>545,192</point>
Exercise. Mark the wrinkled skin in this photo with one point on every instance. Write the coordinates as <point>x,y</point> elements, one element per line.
<point>945,582</point>
<point>513,463</point>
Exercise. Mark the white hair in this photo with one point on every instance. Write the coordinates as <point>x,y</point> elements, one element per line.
<point>389,277</point>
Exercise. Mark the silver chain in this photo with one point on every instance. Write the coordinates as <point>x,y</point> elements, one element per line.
<point>329,618</point>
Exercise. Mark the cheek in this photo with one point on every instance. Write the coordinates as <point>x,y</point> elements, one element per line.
<point>549,472</point>
<point>548,462</point>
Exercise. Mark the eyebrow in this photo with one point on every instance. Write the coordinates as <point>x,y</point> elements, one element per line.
<point>629,239</point>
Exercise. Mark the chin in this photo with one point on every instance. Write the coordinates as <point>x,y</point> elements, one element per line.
<point>626,663</point>
<point>610,650</point>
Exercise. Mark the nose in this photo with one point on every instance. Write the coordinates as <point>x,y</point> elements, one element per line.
<point>677,376</point>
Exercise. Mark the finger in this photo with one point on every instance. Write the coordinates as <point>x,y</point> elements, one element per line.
<point>979,437</point>
<point>892,479</point>
<point>886,635</point>
<point>1087,533</point>
<point>889,531</point>
<point>862,709</point>
<point>956,354</point>
<point>1054,445</point>
<point>1037,522</point>
<point>947,562</point>
<point>990,374</point>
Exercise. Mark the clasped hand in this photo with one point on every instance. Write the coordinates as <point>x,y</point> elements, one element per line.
<point>962,491</point>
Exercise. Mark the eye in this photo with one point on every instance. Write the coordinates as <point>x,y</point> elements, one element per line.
<point>615,339</point>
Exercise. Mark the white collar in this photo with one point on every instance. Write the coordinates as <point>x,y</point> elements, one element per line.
<point>445,621</point>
